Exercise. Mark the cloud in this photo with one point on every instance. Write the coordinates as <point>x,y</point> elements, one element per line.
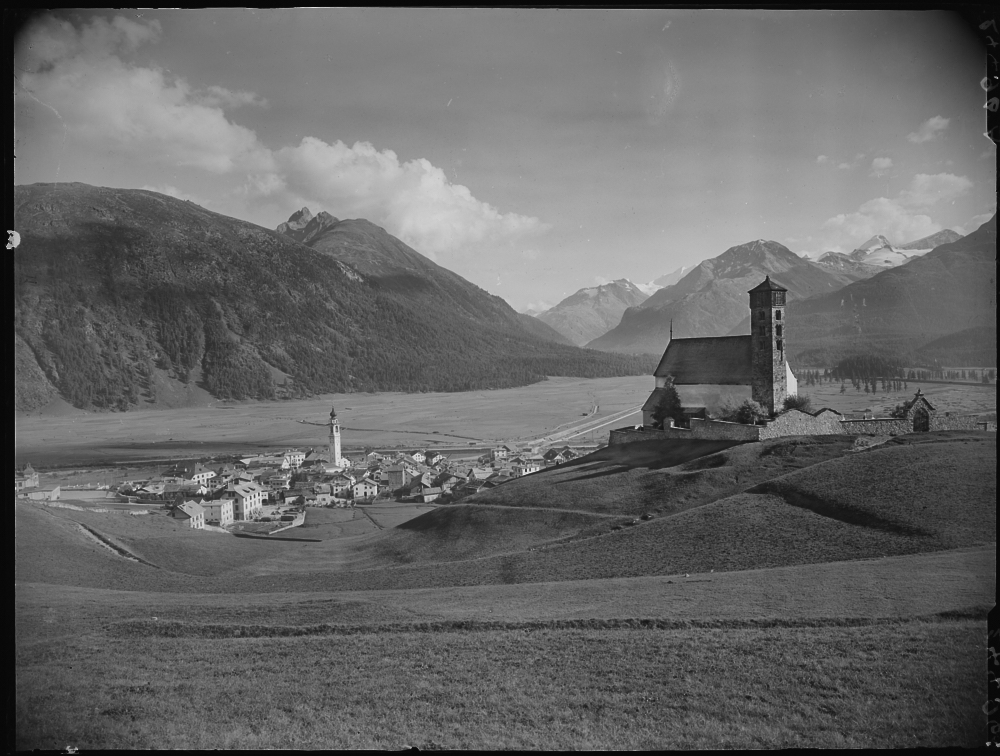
<point>844,165</point>
<point>413,199</point>
<point>977,220</point>
<point>144,111</point>
<point>112,105</point>
<point>880,166</point>
<point>901,219</point>
<point>928,130</point>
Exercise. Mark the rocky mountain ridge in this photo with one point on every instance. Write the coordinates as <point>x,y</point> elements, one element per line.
<point>711,300</point>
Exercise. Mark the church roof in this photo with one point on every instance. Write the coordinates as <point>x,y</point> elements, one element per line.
<point>768,285</point>
<point>721,360</point>
<point>654,399</point>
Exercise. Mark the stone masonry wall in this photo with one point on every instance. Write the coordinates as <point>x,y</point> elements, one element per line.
<point>720,429</point>
<point>797,423</point>
<point>880,426</point>
<point>631,435</point>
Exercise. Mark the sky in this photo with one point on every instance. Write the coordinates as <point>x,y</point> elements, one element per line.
<point>534,152</point>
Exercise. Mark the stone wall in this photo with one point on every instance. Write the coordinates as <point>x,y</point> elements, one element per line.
<point>798,423</point>
<point>631,435</point>
<point>721,430</point>
<point>877,426</point>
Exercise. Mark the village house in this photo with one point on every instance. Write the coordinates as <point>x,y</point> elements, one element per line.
<point>364,489</point>
<point>40,494</point>
<point>501,452</point>
<point>279,480</point>
<point>553,457</point>
<point>522,468</point>
<point>399,476</point>
<point>247,498</point>
<point>294,458</point>
<point>190,511</point>
<point>217,511</point>
<point>189,471</point>
<point>430,494</point>
<point>25,477</point>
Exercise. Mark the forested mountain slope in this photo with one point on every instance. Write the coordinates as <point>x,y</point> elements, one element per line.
<point>117,290</point>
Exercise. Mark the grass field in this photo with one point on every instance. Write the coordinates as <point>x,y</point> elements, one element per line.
<point>790,593</point>
<point>379,420</point>
<point>601,688</point>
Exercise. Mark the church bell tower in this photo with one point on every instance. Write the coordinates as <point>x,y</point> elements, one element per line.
<point>767,345</point>
<point>335,458</point>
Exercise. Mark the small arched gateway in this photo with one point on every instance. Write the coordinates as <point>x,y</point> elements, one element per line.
<point>921,420</point>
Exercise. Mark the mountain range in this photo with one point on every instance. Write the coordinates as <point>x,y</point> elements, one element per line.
<point>130,298</point>
<point>593,311</point>
<point>877,254</point>
<point>945,295</point>
<point>711,300</point>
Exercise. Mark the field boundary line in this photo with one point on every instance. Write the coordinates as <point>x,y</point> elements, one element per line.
<point>178,629</point>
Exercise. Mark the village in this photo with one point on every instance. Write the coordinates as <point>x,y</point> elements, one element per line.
<point>275,489</point>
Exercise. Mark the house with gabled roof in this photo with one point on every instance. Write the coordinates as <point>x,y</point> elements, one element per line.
<point>25,477</point>
<point>191,512</point>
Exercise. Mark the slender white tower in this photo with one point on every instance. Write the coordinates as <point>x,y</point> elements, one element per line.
<point>335,457</point>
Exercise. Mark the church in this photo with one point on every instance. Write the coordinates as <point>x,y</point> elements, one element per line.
<point>710,372</point>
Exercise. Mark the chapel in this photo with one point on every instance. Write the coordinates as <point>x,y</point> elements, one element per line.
<point>709,372</point>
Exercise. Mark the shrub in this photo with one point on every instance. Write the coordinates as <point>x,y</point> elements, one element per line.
<point>747,412</point>
<point>800,402</point>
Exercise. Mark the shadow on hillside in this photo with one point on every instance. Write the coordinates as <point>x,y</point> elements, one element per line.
<point>651,455</point>
<point>835,511</point>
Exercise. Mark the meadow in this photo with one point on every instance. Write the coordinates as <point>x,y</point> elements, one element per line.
<point>66,436</point>
<point>799,592</point>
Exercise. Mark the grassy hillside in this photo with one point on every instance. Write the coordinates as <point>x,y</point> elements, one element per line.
<point>765,618</point>
<point>661,477</point>
<point>116,291</point>
<point>784,502</point>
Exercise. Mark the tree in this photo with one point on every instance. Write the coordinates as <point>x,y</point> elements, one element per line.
<point>669,406</point>
<point>748,412</point>
<point>801,402</point>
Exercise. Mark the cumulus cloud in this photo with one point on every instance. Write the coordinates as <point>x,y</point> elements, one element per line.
<point>977,220</point>
<point>413,199</point>
<point>928,130</point>
<point>81,73</point>
<point>901,218</point>
<point>101,99</point>
<point>880,166</point>
<point>822,160</point>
